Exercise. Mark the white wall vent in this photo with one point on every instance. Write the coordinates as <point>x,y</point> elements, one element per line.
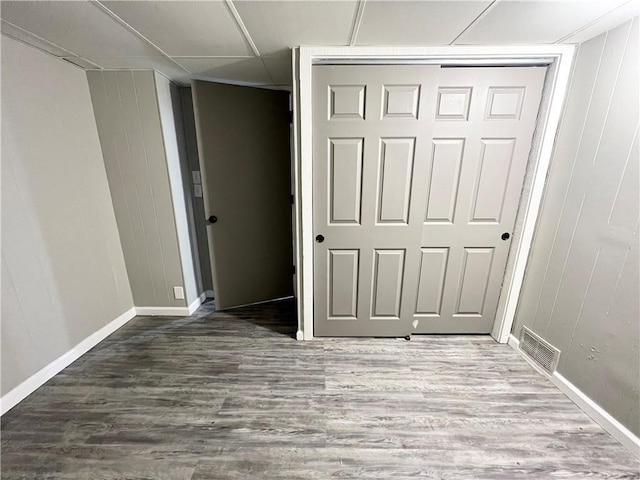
<point>544,354</point>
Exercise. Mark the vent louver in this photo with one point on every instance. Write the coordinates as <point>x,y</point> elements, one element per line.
<point>545,355</point>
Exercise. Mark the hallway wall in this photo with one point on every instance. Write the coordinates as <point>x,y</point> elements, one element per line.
<point>581,290</point>
<point>63,270</point>
<point>138,168</point>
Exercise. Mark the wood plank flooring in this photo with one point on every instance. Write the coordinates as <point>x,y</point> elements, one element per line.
<point>231,395</point>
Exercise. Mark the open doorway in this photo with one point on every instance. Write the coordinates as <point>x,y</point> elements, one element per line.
<point>244,151</point>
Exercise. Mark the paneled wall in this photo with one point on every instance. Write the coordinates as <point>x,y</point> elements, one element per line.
<point>581,291</point>
<point>63,270</point>
<point>133,146</point>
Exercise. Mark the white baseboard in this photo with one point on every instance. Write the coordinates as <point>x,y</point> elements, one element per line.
<point>299,335</point>
<point>197,302</point>
<point>588,406</point>
<point>598,414</point>
<point>163,311</point>
<point>209,293</point>
<point>172,311</point>
<point>19,393</point>
<point>26,388</point>
<point>513,342</point>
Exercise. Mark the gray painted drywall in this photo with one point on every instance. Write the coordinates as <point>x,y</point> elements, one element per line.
<point>191,163</point>
<point>581,290</point>
<point>63,271</point>
<point>170,136</point>
<point>131,135</point>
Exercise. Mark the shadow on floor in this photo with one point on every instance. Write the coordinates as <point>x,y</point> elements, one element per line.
<point>278,316</point>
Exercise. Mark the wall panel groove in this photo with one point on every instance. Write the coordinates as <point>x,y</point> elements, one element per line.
<point>130,130</point>
<point>581,289</point>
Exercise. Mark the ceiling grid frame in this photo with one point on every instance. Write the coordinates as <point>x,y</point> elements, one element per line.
<point>357,21</point>
<point>39,38</point>
<point>590,12</point>
<point>70,60</point>
<point>105,9</point>
<point>595,21</point>
<point>263,39</point>
<point>483,14</point>
<point>45,41</point>
<point>240,23</point>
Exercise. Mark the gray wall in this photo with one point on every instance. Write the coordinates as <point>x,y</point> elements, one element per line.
<point>130,129</point>
<point>63,271</point>
<point>581,290</point>
<point>191,163</point>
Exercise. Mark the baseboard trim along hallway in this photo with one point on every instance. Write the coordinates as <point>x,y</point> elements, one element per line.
<point>172,311</point>
<point>22,391</point>
<point>588,406</point>
<point>26,388</point>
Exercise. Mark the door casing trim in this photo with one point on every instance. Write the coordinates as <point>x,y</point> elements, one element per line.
<point>560,60</point>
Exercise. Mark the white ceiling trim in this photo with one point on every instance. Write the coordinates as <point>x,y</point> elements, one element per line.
<point>66,58</point>
<point>444,52</point>
<point>136,32</point>
<point>242,27</point>
<point>486,61</point>
<point>630,6</point>
<point>71,55</point>
<point>43,40</point>
<point>356,24</point>
<point>475,20</point>
<point>242,83</point>
<point>211,56</point>
<point>77,61</point>
<point>134,70</point>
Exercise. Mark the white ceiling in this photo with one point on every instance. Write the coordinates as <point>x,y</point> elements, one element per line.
<point>248,42</point>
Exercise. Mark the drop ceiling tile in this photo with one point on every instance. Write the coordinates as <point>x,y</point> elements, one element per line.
<point>185,28</point>
<point>609,21</point>
<point>531,22</point>
<point>19,34</point>
<point>159,63</point>
<point>80,27</point>
<point>279,66</point>
<point>278,25</point>
<point>247,70</point>
<point>423,22</point>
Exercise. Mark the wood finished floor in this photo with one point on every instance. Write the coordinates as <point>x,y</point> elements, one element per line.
<point>232,395</point>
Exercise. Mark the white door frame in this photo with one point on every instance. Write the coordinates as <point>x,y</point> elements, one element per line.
<point>560,60</point>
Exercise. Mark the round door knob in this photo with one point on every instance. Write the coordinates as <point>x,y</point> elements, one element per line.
<point>213,219</point>
<point>505,236</point>
<point>319,238</point>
